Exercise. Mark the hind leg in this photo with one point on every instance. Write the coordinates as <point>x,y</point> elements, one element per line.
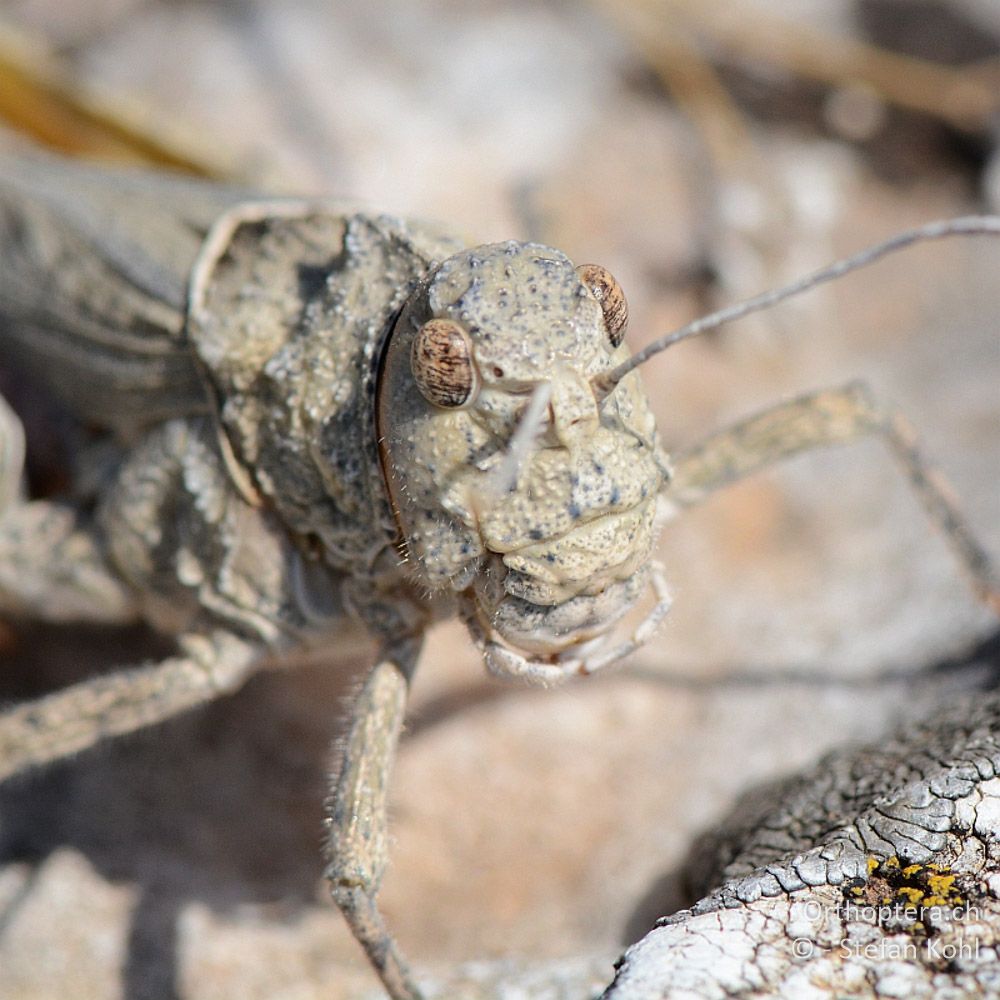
<point>52,565</point>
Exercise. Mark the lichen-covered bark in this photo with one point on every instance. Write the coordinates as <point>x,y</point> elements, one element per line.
<point>811,897</point>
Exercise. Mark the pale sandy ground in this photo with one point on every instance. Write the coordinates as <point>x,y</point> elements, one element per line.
<point>184,862</point>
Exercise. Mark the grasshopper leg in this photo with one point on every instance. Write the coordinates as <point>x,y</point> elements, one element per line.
<point>51,566</point>
<point>55,726</point>
<point>830,417</point>
<point>356,815</point>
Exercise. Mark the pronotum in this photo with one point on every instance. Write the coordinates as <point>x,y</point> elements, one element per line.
<point>294,417</point>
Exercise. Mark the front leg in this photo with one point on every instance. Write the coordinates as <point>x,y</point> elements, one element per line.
<point>821,419</point>
<point>66,722</point>
<point>356,814</point>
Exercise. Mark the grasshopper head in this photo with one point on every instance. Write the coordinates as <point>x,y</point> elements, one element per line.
<point>546,545</point>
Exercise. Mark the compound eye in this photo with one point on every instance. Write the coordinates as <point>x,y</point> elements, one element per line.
<point>441,362</point>
<point>602,285</point>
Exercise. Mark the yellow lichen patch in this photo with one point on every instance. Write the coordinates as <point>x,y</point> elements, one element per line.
<point>942,885</point>
<point>909,894</point>
<point>919,895</point>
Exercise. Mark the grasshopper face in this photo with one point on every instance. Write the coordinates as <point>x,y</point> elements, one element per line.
<point>546,550</point>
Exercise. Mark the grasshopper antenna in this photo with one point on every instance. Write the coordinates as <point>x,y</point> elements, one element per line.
<point>505,475</point>
<point>968,225</point>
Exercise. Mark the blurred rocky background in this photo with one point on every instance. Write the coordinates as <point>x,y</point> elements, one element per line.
<point>703,151</point>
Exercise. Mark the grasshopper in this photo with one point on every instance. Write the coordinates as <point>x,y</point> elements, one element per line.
<point>297,418</point>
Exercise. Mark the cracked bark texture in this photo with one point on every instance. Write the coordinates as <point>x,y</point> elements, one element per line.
<point>777,924</point>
